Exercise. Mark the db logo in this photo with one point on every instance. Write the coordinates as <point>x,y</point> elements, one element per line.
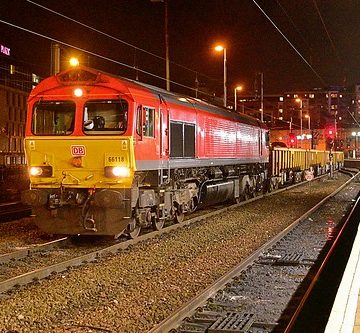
<point>78,150</point>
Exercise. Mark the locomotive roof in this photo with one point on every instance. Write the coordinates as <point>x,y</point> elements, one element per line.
<point>197,103</point>
<point>83,74</point>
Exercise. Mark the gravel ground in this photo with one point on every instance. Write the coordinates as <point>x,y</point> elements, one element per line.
<point>20,234</point>
<point>138,287</point>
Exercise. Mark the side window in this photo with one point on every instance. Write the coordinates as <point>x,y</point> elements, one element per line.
<point>182,140</point>
<point>267,138</point>
<point>149,119</point>
<point>139,120</point>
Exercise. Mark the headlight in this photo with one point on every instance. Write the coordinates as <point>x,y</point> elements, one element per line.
<point>35,171</point>
<point>117,171</point>
<point>121,171</point>
<point>41,171</point>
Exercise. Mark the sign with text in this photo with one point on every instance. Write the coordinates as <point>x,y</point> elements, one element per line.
<point>78,150</point>
<point>4,50</point>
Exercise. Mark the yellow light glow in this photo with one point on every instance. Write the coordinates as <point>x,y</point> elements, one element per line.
<point>219,48</point>
<point>74,62</point>
<point>121,171</point>
<point>239,88</point>
<point>298,100</point>
<point>307,116</point>
<point>35,171</point>
<point>78,92</point>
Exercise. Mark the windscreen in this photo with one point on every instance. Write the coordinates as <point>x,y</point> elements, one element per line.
<point>53,118</point>
<point>105,117</point>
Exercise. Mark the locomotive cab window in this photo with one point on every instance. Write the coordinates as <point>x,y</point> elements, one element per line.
<point>53,118</point>
<point>105,117</point>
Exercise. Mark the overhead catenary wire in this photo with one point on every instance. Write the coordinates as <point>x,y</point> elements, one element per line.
<point>118,39</point>
<point>294,25</point>
<point>327,33</point>
<point>98,55</point>
<point>289,42</point>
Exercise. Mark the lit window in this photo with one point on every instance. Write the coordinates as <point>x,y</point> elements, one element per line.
<point>311,96</point>
<point>281,98</point>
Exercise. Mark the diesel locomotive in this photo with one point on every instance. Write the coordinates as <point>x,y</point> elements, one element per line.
<point>108,155</point>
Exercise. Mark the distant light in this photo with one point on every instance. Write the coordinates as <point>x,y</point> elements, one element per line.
<point>239,88</point>
<point>353,133</point>
<point>280,138</point>
<point>219,48</point>
<point>74,62</point>
<point>78,92</point>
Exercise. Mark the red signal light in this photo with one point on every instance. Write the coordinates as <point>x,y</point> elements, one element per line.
<point>292,140</point>
<point>330,133</point>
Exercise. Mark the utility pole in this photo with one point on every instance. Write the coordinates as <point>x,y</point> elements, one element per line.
<point>167,46</point>
<point>55,59</point>
<point>262,98</point>
<point>167,61</point>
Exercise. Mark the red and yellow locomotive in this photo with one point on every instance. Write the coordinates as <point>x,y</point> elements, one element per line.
<point>108,155</point>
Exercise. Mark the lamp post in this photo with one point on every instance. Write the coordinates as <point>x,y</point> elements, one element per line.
<point>299,100</point>
<point>220,48</point>
<point>309,136</point>
<point>238,88</point>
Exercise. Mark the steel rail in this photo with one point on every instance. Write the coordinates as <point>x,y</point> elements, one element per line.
<point>189,308</point>
<point>44,272</point>
<point>22,253</point>
<point>307,294</point>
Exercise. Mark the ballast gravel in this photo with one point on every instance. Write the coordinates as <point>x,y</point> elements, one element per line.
<point>137,288</point>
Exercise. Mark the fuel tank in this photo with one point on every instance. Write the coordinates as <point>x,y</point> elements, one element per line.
<point>216,192</point>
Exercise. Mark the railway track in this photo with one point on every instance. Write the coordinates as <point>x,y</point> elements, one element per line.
<point>145,283</point>
<point>36,262</point>
<point>266,292</point>
<point>10,211</point>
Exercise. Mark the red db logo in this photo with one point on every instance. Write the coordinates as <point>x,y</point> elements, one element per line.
<point>78,150</point>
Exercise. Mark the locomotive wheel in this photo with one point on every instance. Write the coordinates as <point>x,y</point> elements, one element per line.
<point>249,192</point>
<point>157,224</point>
<point>133,229</point>
<point>179,217</point>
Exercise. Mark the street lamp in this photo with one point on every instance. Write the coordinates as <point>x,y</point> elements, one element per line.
<point>220,48</point>
<point>238,88</point>
<point>74,62</point>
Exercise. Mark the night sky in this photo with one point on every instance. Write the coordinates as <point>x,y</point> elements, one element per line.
<point>253,44</point>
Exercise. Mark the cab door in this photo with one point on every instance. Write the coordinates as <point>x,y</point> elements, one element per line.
<point>164,132</point>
